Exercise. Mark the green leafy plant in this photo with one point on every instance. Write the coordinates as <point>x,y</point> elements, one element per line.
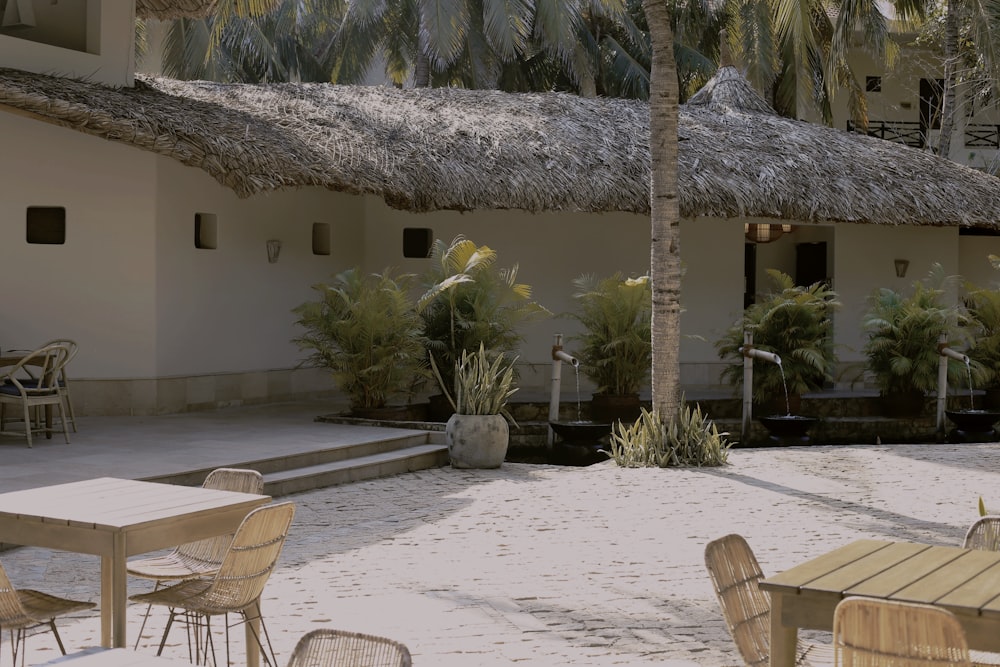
<point>482,385</point>
<point>904,332</point>
<point>983,307</point>
<point>793,322</point>
<point>366,331</point>
<point>469,302</point>
<point>616,347</point>
<point>688,439</point>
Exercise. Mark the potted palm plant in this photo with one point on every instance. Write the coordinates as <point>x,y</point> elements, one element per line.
<point>477,433</point>
<point>366,331</point>
<point>615,350</point>
<point>903,338</point>
<point>470,302</point>
<point>795,323</point>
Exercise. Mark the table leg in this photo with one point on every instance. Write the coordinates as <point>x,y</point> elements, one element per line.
<point>784,639</point>
<point>106,595</point>
<point>252,632</point>
<point>119,592</point>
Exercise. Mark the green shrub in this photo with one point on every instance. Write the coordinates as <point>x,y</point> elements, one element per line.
<point>793,322</point>
<point>616,350</point>
<point>366,331</point>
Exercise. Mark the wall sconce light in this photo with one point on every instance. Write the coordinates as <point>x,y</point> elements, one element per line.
<point>901,266</point>
<point>273,249</point>
<point>18,14</point>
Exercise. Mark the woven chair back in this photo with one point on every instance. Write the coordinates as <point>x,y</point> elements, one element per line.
<point>251,558</point>
<point>983,534</point>
<point>872,633</point>
<point>734,571</point>
<point>210,552</point>
<point>12,613</point>
<point>41,369</point>
<point>338,648</point>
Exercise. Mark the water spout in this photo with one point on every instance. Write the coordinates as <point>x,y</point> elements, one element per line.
<point>947,353</point>
<point>558,358</point>
<point>753,353</point>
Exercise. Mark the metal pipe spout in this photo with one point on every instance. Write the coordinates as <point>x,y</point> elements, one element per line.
<point>946,351</point>
<point>751,352</point>
<point>559,355</point>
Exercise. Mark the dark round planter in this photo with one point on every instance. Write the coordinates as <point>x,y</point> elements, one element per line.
<point>788,429</point>
<point>973,425</point>
<point>613,407</point>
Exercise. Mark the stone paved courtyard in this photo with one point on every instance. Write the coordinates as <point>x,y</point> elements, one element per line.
<point>545,565</point>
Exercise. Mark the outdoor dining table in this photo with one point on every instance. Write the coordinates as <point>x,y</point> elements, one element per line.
<point>117,518</point>
<point>966,582</point>
<point>113,657</point>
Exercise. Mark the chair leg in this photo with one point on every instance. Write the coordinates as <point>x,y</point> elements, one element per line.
<point>27,424</point>
<point>166,631</point>
<point>55,632</point>
<point>62,418</point>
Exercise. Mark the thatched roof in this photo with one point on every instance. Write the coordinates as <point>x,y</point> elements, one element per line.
<point>173,9</point>
<point>432,149</point>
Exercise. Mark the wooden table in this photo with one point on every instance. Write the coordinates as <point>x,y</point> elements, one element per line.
<point>117,518</point>
<point>963,581</point>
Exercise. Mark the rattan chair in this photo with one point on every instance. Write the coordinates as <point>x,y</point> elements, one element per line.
<point>870,633</point>
<point>201,558</point>
<point>21,610</point>
<point>235,588</point>
<point>34,383</point>
<point>735,574</point>
<point>61,382</point>
<point>338,648</point>
<point>984,534</point>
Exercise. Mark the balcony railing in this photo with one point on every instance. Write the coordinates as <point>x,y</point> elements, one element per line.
<point>982,135</point>
<point>897,131</point>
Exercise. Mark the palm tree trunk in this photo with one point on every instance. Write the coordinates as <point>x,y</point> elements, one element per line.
<point>948,94</point>
<point>665,259</point>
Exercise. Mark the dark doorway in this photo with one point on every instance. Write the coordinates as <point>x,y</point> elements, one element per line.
<point>749,273</point>
<point>810,263</point>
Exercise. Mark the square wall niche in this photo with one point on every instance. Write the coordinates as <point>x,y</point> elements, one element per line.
<point>46,225</point>
<point>417,242</point>
<point>321,238</point>
<point>206,231</point>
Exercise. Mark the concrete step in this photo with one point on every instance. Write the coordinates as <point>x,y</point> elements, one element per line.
<point>355,469</point>
<point>382,455</point>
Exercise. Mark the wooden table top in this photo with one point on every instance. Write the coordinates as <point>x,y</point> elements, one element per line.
<point>108,503</point>
<point>112,657</point>
<point>961,579</point>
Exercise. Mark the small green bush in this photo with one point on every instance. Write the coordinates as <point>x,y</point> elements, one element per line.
<point>689,439</point>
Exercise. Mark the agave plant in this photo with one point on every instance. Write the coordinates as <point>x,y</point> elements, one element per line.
<point>793,322</point>
<point>904,333</point>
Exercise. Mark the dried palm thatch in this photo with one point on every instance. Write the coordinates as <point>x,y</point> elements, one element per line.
<point>173,9</point>
<point>435,149</point>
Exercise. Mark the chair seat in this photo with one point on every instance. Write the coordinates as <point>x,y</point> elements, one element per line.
<point>42,607</point>
<point>171,566</point>
<point>181,595</point>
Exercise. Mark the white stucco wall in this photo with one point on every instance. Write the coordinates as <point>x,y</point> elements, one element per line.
<point>229,310</point>
<point>865,262</point>
<point>106,27</point>
<point>87,289</point>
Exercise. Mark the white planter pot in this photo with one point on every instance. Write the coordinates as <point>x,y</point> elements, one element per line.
<point>477,441</point>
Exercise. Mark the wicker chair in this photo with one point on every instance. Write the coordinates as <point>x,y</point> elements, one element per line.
<point>338,648</point>
<point>201,558</point>
<point>21,610</point>
<point>870,633</point>
<point>237,585</point>
<point>984,534</point>
<point>34,383</point>
<point>61,381</point>
<point>735,574</point>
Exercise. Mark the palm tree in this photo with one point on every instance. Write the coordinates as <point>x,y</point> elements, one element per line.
<point>263,40</point>
<point>795,51</point>
<point>665,211</point>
